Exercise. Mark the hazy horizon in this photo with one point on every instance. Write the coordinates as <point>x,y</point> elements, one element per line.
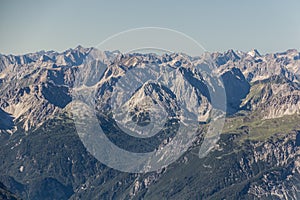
<point>41,50</point>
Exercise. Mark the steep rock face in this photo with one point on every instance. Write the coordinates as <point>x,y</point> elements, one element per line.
<point>35,91</point>
<point>283,181</point>
<point>274,80</point>
<point>274,97</point>
<point>29,106</point>
<point>237,88</point>
<point>268,170</point>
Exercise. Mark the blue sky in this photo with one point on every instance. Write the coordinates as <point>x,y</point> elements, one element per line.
<point>219,25</point>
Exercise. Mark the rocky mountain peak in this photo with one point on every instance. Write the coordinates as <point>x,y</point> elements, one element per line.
<point>254,53</point>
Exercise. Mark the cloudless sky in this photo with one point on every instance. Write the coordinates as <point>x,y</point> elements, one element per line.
<point>219,25</point>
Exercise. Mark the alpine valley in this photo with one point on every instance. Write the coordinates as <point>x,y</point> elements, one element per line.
<point>257,155</point>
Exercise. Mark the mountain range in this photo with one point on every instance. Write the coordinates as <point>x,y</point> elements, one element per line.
<point>256,154</point>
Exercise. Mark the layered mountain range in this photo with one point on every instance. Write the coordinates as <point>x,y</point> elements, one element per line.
<point>45,79</point>
<point>256,155</point>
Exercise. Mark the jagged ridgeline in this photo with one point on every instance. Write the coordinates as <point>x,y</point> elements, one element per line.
<point>257,155</point>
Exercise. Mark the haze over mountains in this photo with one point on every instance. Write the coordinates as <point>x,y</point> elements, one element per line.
<point>259,136</point>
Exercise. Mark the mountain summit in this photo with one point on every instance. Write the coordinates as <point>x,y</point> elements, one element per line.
<point>254,53</point>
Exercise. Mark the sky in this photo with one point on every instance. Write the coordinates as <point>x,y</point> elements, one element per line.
<point>218,25</point>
